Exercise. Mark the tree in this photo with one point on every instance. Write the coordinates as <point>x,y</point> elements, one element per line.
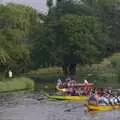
<point>43,46</point>
<point>63,7</point>
<point>76,40</point>
<point>81,34</point>
<point>108,12</point>
<point>17,24</point>
<point>79,40</point>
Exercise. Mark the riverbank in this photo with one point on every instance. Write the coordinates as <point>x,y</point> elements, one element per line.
<point>51,71</point>
<point>102,74</point>
<point>45,75</point>
<point>99,73</point>
<point>16,84</point>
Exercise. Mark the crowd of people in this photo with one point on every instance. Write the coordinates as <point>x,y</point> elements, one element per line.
<point>72,88</point>
<point>104,97</point>
<point>98,96</point>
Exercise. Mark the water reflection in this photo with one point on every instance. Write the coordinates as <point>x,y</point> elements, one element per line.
<point>30,106</point>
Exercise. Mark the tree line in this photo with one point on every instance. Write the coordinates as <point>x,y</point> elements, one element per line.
<point>73,32</point>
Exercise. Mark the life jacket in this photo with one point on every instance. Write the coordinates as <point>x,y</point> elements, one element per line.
<point>112,101</point>
<point>102,101</point>
<point>92,100</point>
<point>115,100</point>
<point>106,100</point>
<point>118,99</point>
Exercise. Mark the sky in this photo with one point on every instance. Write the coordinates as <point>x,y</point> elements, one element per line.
<point>40,5</point>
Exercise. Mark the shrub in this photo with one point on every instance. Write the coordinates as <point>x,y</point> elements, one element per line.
<point>16,84</point>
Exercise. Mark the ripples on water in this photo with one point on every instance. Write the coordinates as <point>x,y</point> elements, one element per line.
<point>29,106</point>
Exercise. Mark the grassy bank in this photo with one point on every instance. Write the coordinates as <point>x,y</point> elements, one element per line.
<point>45,75</point>
<point>16,84</point>
<point>106,73</point>
<point>54,71</point>
<point>101,74</point>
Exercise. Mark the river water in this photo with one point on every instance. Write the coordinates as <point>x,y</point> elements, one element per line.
<point>35,106</point>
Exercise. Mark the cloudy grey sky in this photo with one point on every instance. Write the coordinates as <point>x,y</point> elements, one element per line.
<point>40,5</point>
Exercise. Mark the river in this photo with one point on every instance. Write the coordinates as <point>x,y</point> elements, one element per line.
<point>35,106</point>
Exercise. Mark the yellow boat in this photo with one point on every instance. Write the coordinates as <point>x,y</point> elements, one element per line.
<point>102,107</point>
<point>73,98</point>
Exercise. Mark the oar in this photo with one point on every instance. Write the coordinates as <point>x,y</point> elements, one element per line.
<point>68,110</point>
<point>39,99</point>
<point>46,94</point>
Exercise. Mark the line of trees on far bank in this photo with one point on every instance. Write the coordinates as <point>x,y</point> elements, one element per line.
<point>72,33</point>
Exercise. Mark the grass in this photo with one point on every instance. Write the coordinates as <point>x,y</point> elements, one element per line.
<point>15,84</point>
<point>55,71</point>
<point>45,75</point>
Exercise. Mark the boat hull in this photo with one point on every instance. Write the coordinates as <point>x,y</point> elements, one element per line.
<point>73,98</point>
<point>102,107</point>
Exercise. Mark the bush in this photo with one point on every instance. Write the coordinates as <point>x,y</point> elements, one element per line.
<point>16,84</point>
<point>107,72</point>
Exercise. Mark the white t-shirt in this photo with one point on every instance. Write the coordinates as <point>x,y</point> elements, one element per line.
<point>10,74</point>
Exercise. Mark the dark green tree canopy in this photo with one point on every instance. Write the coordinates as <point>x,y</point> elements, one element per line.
<point>79,38</point>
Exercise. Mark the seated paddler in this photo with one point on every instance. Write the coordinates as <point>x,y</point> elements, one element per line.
<point>93,99</point>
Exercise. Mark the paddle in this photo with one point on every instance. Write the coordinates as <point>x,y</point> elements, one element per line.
<point>40,99</point>
<point>68,110</point>
<point>46,94</point>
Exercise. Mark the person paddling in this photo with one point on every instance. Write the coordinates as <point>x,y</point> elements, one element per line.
<point>93,100</point>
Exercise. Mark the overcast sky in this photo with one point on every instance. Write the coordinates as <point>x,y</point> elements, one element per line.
<point>40,5</point>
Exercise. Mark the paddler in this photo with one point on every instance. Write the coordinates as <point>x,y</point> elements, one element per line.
<point>118,99</point>
<point>115,100</point>
<point>72,91</point>
<point>111,100</point>
<point>103,100</point>
<point>59,83</point>
<point>93,100</point>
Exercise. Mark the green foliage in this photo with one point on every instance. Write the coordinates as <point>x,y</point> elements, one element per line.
<point>115,60</point>
<point>16,84</point>
<point>106,72</point>
<point>79,38</point>
<point>64,7</point>
<point>17,24</point>
<point>49,3</point>
<point>76,39</point>
<point>106,10</point>
<point>42,47</point>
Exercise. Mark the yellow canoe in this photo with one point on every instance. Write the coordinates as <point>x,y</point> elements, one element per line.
<point>73,98</point>
<point>102,107</point>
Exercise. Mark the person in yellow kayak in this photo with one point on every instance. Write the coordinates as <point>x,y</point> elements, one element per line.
<point>59,83</point>
<point>104,99</point>
<point>93,99</point>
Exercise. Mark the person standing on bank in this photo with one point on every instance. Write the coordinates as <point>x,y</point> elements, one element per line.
<point>10,74</point>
